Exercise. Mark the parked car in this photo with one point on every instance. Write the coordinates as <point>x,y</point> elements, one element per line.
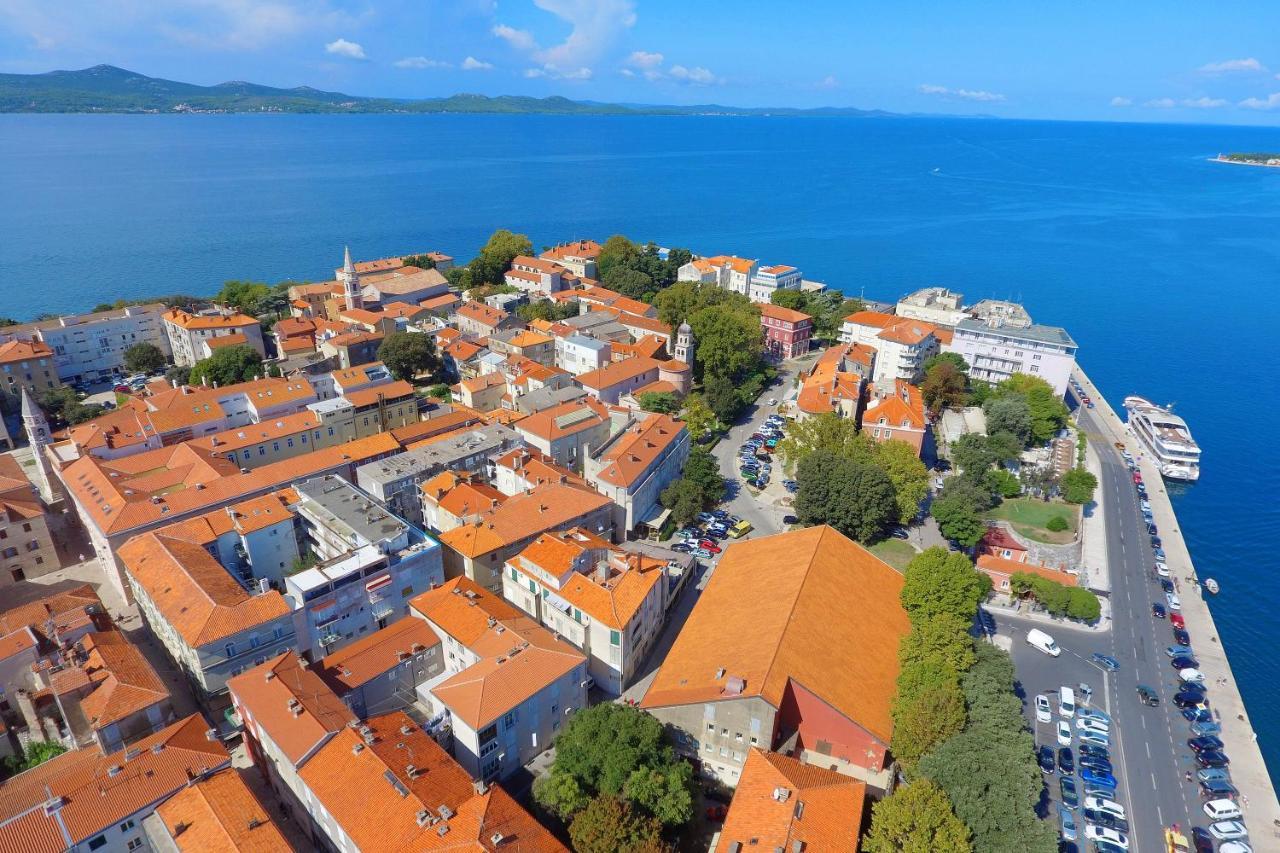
<point>1202,840</point>
<point>1173,601</point>
<point>1157,610</point>
<point>1094,714</point>
<point>1211,773</point>
<point>790,519</point>
<point>1228,830</point>
<point>1101,804</point>
<point>1107,662</point>
<point>1095,763</point>
<point>1166,584</point>
<point>1177,621</point>
<point>1200,729</point>
<point>702,554</point>
<point>1045,758</point>
<point>1066,823</point>
<point>1066,762</point>
<point>1187,699</point>
<point>1162,570</point>
<point>1067,790</point>
<point>1198,715</point>
<point>1095,738</point>
<point>1043,712</point>
<point>1092,724</point>
<point>1181,636</point>
<point>1105,780</point>
<point>1218,788</point>
<point>1212,758</point>
<point>1177,650</point>
<point>1064,733</point>
<point>1184,662</point>
<point>1203,743</point>
<point>1106,833</point>
<point>682,547</point>
<point>1191,675</point>
<point>1088,749</point>
<point>1147,696</point>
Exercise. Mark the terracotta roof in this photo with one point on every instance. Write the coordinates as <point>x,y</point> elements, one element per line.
<point>22,350</point>
<point>903,330</point>
<point>235,339</point>
<point>999,565</point>
<point>92,797</point>
<point>126,683</point>
<point>461,351</point>
<point>467,498</point>
<point>376,654</point>
<point>633,321</point>
<point>618,372</point>
<point>288,327</point>
<point>248,435</point>
<point>903,409</point>
<point>537,264</point>
<point>462,609</point>
<point>349,339</point>
<point>777,269</point>
<point>291,704</point>
<point>828,383</point>
<point>565,419</point>
<point>535,467</point>
<point>878,319</point>
<point>613,600</point>
<point>178,317</point>
<point>61,608</point>
<point>483,381</point>
<point>658,387</point>
<point>319,288</point>
<point>378,265</point>
<point>612,299</point>
<point>578,249</point>
<point>363,316</point>
<point>194,594</point>
<point>526,338</point>
<point>523,516</point>
<point>219,814</point>
<point>243,517</point>
<point>459,418</point>
<point>782,804</point>
<point>810,606</point>
<point>629,454</point>
<point>786,315</point>
<point>360,784</point>
<point>403,281</point>
<point>21,640</point>
<point>441,302</point>
<point>389,392</point>
<point>482,313</point>
<point>296,345</point>
<point>999,539</point>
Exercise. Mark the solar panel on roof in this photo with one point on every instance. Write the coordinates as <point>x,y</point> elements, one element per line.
<point>395,783</point>
<point>572,418</point>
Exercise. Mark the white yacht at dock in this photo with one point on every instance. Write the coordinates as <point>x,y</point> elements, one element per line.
<point>1166,437</point>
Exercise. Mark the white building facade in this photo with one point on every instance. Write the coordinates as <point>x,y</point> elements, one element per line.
<point>995,351</point>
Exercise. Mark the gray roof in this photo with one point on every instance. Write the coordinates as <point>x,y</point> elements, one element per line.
<point>584,341</point>
<point>545,398</point>
<point>488,439</point>
<point>1055,335</point>
<point>347,511</point>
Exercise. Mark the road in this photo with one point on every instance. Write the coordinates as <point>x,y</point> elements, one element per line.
<point>1149,744</point>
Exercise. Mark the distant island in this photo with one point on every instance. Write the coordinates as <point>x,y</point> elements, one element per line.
<point>108,89</point>
<point>1250,159</point>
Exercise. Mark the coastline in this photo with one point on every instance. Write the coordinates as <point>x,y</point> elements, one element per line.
<point>1221,159</point>
<point>1248,768</point>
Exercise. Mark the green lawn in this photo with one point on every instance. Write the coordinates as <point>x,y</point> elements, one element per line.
<point>1028,517</point>
<point>895,552</point>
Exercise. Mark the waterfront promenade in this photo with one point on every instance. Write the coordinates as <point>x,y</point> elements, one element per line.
<point>1248,770</point>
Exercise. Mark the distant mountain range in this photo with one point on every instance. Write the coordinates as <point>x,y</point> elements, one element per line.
<point>107,89</point>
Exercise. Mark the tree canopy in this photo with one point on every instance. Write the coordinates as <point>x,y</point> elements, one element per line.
<point>1010,414</point>
<point>496,256</point>
<point>409,354</point>
<point>242,295</point>
<point>938,581</point>
<point>916,818</point>
<point>610,825</point>
<point>955,359</point>
<point>663,402</point>
<point>62,406</point>
<point>1078,486</point>
<point>546,309</point>
<point>957,519</point>
<point>1048,411</point>
<point>858,499</point>
<point>144,358</point>
<point>700,487</point>
<point>944,387</point>
<point>828,308</point>
<point>227,366</point>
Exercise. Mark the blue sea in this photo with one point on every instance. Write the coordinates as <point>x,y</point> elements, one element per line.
<point>1162,265</point>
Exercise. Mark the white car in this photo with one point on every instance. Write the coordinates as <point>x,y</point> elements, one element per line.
<point>1235,847</point>
<point>1191,675</point>
<point>1221,810</point>
<point>1106,833</point>
<point>1162,570</point>
<point>1175,603</point>
<point>1228,830</point>
<point>1064,734</point>
<point>1092,724</point>
<point>1101,804</point>
<point>1043,713</point>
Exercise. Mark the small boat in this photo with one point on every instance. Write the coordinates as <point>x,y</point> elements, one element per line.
<point>1211,585</point>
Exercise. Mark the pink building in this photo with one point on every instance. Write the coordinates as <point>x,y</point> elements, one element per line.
<point>786,332</point>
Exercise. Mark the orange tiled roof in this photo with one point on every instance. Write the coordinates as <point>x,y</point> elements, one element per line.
<point>352,780</point>
<point>482,313</point>
<point>375,654</point>
<point>462,609</point>
<point>457,419</point>
<point>565,419</point>
<point>378,265</point>
<point>21,640</point>
<point>288,327</point>
<point>235,339</point>
<point>878,319</point>
<point>483,381</point>
<point>780,609</point>
<point>388,392</point>
<point>244,517</point>
<point>181,318</point>
<point>22,350</point>
<point>527,338</point>
<point>535,467</point>
<point>60,608</point>
<point>629,455</point>
<point>999,565</point>
<point>739,265</point>
<point>251,434</point>
<point>786,315</point>
<point>827,383</point>
<point>587,249</point>
<point>904,408</point>
<point>523,516</point>
<point>618,372</point>
<point>291,704</point>
<point>219,814</point>
<point>195,594</point>
<point>93,798</point>
<point>126,683</point>
<point>820,811</point>
<point>633,321</point>
<point>494,685</point>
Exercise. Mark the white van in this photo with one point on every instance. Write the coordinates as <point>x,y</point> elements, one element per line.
<point>1043,642</point>
<point>1066,702</point>
<point>1221,810</point>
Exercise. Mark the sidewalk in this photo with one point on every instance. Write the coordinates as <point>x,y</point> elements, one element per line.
<point>1248,770</point>
<point>1015,612</point>
<point>1094,566</point>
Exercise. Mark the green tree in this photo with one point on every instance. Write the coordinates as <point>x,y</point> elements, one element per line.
<point>617,253</point>
<point>602,750</point>
<point>241,295</point>
<point>546,309</point>
<point>1078,486</point>
<point>684,499</point>
<point>942,636</point>
<point>441,391</point>
<point>665,792</point>
<point>1004,482</point>
<point>1048,412</point>
<point>957,520</point>
<point>703,470</point>
<point>828,433</point>
<point>944,387</point>
<point>698,417</point>
<point>629,282</point>
<point>908,474</point>
<point>63,406</point>
<point>730,343</point>
<point>925,720</point>
<point>955,359</point>
<point>420,261</point>
<point>610,825</point>
<point>227,366</point>
<point>855,498</point>
<point>496,256</point>
<point>1009,414</point>
<point>1057,524</point>
<point>459,278</point>
<point>33,755</point>
<point>938,581</point>
<point>793,299</point>
<point>1004,446</point>
<point>972,455</point>
<point>144,358</point>
<point>408,354</point>
<point>916,818</point>
<point>722,397</point>
<point>975,492</point>
<point>178,374</point>
<point>663,402</point>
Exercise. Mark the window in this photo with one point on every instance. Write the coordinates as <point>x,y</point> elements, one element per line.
<point>126,826</point>
<point>707,747</point>
<point>509,720</point>
<point>26,527</point>
<point>615,638</point>
<point>95,843</point>
<point>230,649</point>
<point>755,741</point>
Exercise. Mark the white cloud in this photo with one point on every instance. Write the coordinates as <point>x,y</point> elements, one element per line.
<point>1271,102</point>
<point>1234,66</point>
<point>1204,103</point>
<point>420,62</point>
<point>596,25</point>
<point>473,64</point>
<point>1161,103</point>
<point>697,75</point>
<point>626,72</point>
<point>554,73</point>
<point>1118,101</point>
<point>979,95</point>
<point>644,59</point>
<point>342,47</point>
<point>531,73</point>
<point>519,39</point>
<point>829,82</point>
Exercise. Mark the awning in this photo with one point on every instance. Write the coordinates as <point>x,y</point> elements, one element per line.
<point>657,519</point>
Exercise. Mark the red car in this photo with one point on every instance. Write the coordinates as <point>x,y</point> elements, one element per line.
<point>122,389</point>
<point>1137,478</point>
<point>1176,620</point>
<point>709,545</point>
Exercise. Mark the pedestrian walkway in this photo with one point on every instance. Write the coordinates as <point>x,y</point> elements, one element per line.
<point>1248,770</point>
<point>1095,571</point>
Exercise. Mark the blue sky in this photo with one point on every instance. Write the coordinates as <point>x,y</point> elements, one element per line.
<point>1131,61</point>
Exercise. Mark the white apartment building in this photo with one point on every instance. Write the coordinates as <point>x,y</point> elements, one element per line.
<point>579,257</point>
<point>534,275</point>
<point>606,601</point>
<point>769,280</point>
<point>933,305</point>
<point>902,345</point>
<point>580,354</point>
<point>995,351</point>
<point>193,337</point>
<point>727,271</point>
<point>90,347</point>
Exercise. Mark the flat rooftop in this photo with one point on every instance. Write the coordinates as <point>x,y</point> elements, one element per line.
<point>348,512</point>
<point>443,452</point>
<point>1055,335</point>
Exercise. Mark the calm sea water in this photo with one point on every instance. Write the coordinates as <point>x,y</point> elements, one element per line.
<point>1162,265</point>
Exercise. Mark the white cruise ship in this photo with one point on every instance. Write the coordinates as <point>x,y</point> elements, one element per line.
<point>1166,437</point>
